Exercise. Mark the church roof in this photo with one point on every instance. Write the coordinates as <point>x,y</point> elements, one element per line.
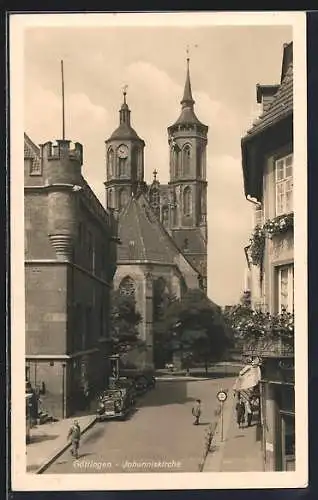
<point>141,234</point>
<point>195,239</point>
<point>124,132</point>
<point>144,238</point>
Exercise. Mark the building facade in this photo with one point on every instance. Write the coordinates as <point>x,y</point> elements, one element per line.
<point>70,261</point>
<point>267,158</point>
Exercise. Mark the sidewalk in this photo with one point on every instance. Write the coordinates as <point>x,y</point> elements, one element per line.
<point>48,441</point>
<point>239,451</point>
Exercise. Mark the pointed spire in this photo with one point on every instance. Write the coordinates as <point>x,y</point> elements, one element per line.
<point>187,100</point>
<point>124,113</point>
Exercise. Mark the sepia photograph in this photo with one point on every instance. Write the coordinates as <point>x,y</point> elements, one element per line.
<point>158,250</point>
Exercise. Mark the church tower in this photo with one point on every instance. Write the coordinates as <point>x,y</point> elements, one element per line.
<point>187,139</point>
<point>124,162</point>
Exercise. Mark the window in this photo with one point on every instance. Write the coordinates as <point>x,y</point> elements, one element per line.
<point>123,198</point>
<point>285,287</point>
<point>110,199</point>
<point>110,161</point>
<point>165,216</point>
<point>127,287</point>
<point>176,161</point>
<point>122,167</point>
<point>284,184</point>
<point>187,201</point>
<point>258,216</point>
<point>186,153</point>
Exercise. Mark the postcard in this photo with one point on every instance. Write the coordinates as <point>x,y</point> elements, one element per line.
<point>158,251</point>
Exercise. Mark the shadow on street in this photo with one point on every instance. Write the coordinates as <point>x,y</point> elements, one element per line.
<point>167,393</point>
<point>42,437</point>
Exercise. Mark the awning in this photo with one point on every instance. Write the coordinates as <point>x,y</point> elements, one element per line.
<point>248,377</point>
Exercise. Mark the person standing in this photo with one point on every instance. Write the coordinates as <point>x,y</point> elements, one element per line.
<point>240,412</point>
<point>249,412</point>
<point>196,412</point>
<point>74,435</point>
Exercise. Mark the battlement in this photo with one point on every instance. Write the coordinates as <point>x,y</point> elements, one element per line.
<point>61,150</point>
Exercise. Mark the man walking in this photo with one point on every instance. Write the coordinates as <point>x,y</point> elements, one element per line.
<point>196,412</point>
<point>74,435</point>
<point>240,412</point>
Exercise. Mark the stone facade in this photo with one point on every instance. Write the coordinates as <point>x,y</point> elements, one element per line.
<point>70,260</point>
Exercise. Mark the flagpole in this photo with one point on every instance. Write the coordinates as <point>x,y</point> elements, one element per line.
<point>63,103</point>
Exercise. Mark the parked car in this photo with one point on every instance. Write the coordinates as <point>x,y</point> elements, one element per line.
<point>115,403</point>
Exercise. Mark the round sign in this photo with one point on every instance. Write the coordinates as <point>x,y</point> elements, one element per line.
<point>222,396</point>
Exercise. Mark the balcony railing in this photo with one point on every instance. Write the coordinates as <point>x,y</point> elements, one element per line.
<point>270,348</point>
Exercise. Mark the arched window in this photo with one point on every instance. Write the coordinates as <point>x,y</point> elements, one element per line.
<point>186,153</point>
<point>176,162</point>
<point>165,216</point>
<point>122,167</point>
<point>110,199</point>
<point>199,162</point>
<point>123,198</point>
<point>110,162</point>
<point>127,287</point>
<point>187,201</point>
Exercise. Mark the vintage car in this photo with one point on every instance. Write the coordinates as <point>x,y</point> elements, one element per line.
<point>115,403</point>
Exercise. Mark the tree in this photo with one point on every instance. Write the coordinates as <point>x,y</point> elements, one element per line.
<point>194,327</point>
<point>124,320</point>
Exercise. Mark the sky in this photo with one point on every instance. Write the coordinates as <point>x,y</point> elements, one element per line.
<point>226,63</point>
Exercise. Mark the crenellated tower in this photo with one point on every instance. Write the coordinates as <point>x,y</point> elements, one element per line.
<point>124,162</point>
<point>187,139</point>
<point>61,166</point>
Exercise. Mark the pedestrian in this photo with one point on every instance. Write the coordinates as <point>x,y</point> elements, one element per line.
<point>74,435</point>
<point>240,412</point>
<point>196,412</point>
<point>249,412</point>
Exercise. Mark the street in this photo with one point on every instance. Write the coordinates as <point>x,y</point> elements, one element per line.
<point>158,437</point>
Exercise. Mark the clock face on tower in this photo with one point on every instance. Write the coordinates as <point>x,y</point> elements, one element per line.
<point>122,151</point>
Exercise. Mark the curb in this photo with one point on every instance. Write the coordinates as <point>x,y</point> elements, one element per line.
<point>46,464</point>
<point>218,453</point>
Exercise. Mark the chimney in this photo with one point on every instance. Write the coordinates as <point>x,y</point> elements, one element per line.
<point>265,95</point>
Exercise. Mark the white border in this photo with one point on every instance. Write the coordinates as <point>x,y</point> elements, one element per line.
<point>21,481</point>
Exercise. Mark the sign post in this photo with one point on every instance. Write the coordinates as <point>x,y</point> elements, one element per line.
<point>222,397</point>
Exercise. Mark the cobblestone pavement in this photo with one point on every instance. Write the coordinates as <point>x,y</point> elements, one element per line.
<point>158,437</point>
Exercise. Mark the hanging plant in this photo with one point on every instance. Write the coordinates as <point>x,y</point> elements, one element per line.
<point>272,227</point>
<point>279,225</point>
<point>257,245</point>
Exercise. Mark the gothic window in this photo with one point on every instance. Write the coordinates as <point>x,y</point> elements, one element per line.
<point>110,162</point>
<point>122,167</point>
<point>127,287</point>
<point>176,162</point>
<point>110,199</point>
<point>199,162</point>
<point>186,153</point>
<point>187,201</point>
<point>123,198</point>
<point>165,216</point>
